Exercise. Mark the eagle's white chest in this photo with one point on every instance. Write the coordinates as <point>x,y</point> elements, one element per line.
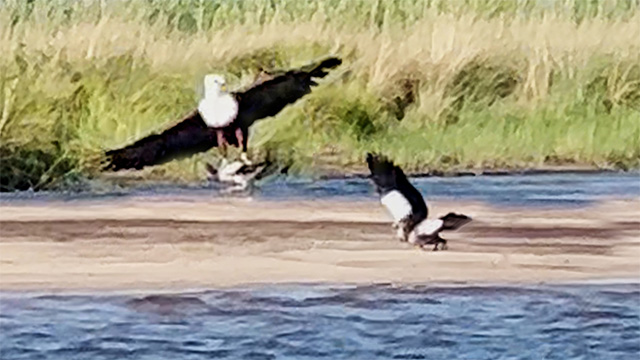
<point>218,111</point>
<point>428,227</point>
<point>396,204</point>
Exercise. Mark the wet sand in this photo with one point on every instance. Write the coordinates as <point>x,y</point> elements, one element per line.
<point>172,244</point>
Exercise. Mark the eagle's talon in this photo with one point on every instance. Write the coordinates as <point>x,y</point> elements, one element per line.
<point>245,159</point>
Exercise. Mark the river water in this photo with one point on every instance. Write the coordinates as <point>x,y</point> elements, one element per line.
<point>578,321</point>
<point>564,189</point>
<point>588,321</point>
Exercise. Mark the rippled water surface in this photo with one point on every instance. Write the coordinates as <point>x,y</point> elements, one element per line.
<point>341,322</point>
<point>565,189</point>
<point>530,190</point>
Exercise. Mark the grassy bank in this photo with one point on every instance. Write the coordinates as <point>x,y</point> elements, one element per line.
<point>434,84</point>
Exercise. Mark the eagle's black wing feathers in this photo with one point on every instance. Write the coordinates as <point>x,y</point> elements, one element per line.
<point>191,135</point>
<point>453,221</point>
<point>187,137</point>
<point>269,97</point>
<point>387,177</point>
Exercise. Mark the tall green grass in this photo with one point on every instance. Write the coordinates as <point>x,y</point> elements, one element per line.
<point>437,85</point>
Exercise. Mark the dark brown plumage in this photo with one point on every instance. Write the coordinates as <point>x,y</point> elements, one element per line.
<point>191,135</point>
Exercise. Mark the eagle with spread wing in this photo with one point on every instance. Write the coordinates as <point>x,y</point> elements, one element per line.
<point>222,118</point>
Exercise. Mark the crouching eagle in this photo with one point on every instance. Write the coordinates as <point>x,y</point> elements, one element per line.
<point>221,118</point>
<point>407,207</point>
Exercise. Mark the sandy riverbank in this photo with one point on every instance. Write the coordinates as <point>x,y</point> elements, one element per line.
<point>176,244</point>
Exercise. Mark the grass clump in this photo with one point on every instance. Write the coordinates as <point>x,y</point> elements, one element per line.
<point>36,167</point>
<point>437,85</point>
<point>478,85</point>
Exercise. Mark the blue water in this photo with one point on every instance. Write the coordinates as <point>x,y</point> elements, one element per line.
<point>529,190</point>
<point>342,322</point>
<point>331,322</point>
<point>567,189</point>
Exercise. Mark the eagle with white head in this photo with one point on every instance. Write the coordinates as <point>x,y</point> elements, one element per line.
<point>221,118</point>
<point>218,109</point>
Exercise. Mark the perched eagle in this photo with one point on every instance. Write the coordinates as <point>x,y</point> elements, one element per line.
<point>407,207</point>
<point>221,117</point>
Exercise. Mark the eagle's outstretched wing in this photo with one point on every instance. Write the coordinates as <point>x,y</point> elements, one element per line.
<point>191,135</point>
<point>188,137</point>
<point>272,93</point>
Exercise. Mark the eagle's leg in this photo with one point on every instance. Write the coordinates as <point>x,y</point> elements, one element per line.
<point>243,145</point>
<point>400,232</point>
<point>404,229</point>
<point>222,143</point>
<point>440,241</point>
<point>245,159</point>
<point>444,245</point>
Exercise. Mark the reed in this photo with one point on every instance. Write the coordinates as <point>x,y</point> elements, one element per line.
<point>437,85</point>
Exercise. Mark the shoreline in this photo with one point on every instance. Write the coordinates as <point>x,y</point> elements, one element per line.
<point>165,245</point>
<point>185,291</point>
<point>123,182</point>
<point>328,173</point>
<point>544,170</point>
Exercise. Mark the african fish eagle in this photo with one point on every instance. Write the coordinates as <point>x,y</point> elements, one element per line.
<point>221,117</point>
<point>407,206</point>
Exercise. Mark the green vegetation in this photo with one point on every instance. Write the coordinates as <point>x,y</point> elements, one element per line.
<point>437,85</point>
